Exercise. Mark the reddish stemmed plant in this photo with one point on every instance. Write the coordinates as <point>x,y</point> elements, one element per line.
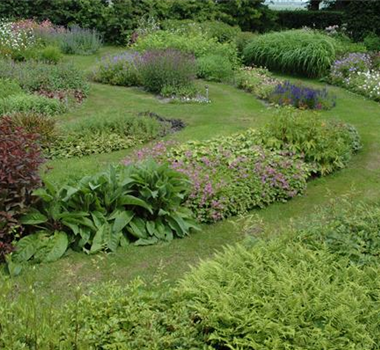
<point>20,159</point>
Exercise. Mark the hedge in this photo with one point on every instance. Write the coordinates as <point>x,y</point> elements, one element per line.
<point>316,19</point>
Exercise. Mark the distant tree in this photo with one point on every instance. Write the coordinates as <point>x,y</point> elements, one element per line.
<point>363,18</point>
<point>192,9</point>
<point>250,15</point>
<point>313,5</point>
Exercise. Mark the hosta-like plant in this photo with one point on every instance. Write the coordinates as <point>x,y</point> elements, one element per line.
<point>134,204</point>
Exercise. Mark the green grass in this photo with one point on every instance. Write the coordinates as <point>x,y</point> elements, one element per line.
<point>231,110</point>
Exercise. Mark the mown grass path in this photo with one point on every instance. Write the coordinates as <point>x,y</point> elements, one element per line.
<point>231,111</point>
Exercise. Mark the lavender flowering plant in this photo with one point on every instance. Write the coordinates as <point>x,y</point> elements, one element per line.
<point>121,69</point>
<point>301,97</point>
<point>167,69</point>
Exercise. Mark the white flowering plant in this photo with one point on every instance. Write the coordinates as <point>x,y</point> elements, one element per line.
<point>14,40</point>
<point>358,72</point>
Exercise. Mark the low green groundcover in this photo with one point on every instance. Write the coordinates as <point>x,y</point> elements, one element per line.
<point>285,293</point>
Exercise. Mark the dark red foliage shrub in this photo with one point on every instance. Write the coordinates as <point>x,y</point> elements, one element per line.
<point>20,159</point>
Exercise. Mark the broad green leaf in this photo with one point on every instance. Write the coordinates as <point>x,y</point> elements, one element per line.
<point>14,269</point>
<point>137,228</point>
<point>33,218</point>
<point>26,247</point>
<point>70,191</point>
<point>122,219</point>
<point>43,194</point>
<point>72,227</point>
<point>114,240</point>
<point>124,242</point>
<point>85,234</point>
<point>57,246</point>
<point>178,225</point>
<point>99,219</point>
<point>147,241</point>
<point>99,238</point>
<point>151,228</point>
<point>132,200</point>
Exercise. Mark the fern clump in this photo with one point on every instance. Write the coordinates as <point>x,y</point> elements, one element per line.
<point>281,295</point>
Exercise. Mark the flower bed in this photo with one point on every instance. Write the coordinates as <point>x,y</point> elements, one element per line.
<point>359,73</point>
<point>302,97</point>
<point>231,175</point>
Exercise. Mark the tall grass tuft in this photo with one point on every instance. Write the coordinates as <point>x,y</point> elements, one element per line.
<point>303,52</point>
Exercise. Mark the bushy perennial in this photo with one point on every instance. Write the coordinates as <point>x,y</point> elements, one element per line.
<point>357,72</point>
<point>232,175</point>
<point>302,97</point>
<point>15,38</point>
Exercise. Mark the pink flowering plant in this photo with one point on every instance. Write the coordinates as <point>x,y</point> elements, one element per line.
<point>232,175</point>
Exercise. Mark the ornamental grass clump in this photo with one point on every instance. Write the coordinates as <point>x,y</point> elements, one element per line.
<point>302,97</point>
<point>304,52</point>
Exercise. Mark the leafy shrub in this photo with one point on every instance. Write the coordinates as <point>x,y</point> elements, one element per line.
<point>50,54</point>
<point>31,104</point>
<point>351,63</point>
<point>258,81</point>
<point>360,18</point>
<point>220,31</point>
<point>366,84</point>
<point>372,42</point>
<point>230,175</point>
<point>119,70</point>
<point>296,289</point>
<point>301,96</point>
<point>303,52</point>
<point>36,76</point>
<point>166,68</point>
<point>139,204</point>
<point>326,145</point>
<point>197,45</point>
<point>20,159</point>
<point>214,68</point>
<point>78,41</point>
<point>41,125</point>
<point>299,298</point>
<point>345,229</point>
<point>297,19</point>
<point>242,39</point>
<point>9,88</point>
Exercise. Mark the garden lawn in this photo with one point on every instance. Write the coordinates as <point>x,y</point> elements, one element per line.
<point>231,111</point>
